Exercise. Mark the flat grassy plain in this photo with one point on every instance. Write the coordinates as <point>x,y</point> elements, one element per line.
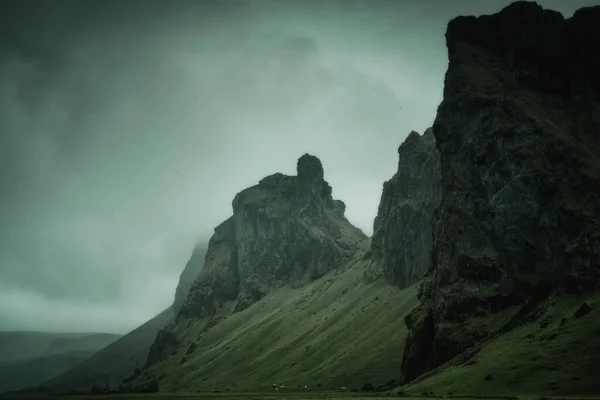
<point>215,396</point>
<point>286,396</point>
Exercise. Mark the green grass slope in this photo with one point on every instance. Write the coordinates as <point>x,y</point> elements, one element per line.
<point>558,354</point>
<point>337,331</point>
<point>114,362</point>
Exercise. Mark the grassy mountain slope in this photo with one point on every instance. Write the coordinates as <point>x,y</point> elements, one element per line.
<point>336,331</point>
<point>114,362</point>
<point>556,354</point>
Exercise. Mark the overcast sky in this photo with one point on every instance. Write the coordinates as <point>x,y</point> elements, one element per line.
<point>127,127</point>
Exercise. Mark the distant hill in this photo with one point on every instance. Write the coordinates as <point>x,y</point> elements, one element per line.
<point>122,358</point>
<point>29,358</point>
<point>114,362</point>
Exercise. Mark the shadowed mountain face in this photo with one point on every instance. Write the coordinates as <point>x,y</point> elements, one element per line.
<point>519,134</point>
<point>401,243</point>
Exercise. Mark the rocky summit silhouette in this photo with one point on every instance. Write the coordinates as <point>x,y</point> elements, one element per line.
<point>286,229</point>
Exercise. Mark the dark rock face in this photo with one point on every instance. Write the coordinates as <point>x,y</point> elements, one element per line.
<point>164,344</point>
<point>519,136</point>
<point>286,229</point>
<point>188,276</point>
<point>402,236</point>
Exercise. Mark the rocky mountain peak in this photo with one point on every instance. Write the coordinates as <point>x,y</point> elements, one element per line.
<point>307,193</point>
<point>309,168</point>
<point>284,230</point>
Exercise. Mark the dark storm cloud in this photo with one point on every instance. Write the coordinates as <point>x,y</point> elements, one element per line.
<point>128,126</point>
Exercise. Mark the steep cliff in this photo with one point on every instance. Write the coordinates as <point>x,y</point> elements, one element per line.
<point>286,229</point>
<point>518,132</point>
<point>401,243</point>
<point>189,274</point>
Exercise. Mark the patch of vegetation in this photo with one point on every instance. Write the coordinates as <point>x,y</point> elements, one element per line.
<point>555,355</point>
<point>335,332</point>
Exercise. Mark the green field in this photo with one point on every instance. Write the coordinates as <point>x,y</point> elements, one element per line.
<point>287,396</point>
<point>557,354</point>
<point>219,396</point>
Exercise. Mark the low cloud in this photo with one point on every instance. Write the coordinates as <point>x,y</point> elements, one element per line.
<point>126,131</point>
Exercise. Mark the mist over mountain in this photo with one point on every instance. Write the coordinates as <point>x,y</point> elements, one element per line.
<point>218,182</point>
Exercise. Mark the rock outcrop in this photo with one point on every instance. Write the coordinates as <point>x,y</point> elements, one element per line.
<point>189,274</point>
<point>519,134</point>
<point>285,230</point>
<point>402,237</point>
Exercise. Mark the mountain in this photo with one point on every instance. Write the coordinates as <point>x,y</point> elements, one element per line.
<point>279,295</point>
<point>516,237</point>
<point>282,296</point>
<point>286,230</point>
<point>402,236</point>
<point>30,358</point>
<point>482,275</point>
<point>189,274</point>
<point>335,331</point>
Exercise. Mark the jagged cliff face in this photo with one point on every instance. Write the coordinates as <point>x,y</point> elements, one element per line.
<point>285,230</point>
<point>518,132</point>
<point>402,237</point>
<point>189,274</point>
